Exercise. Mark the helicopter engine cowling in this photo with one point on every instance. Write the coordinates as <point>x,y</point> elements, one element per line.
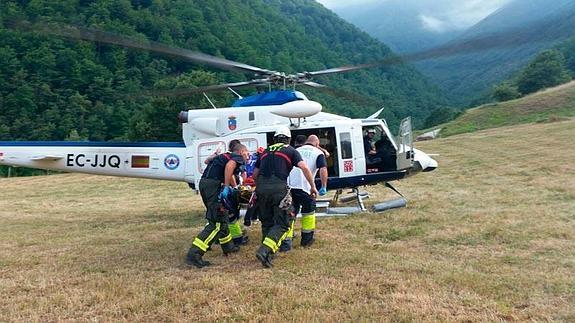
<point>208,126</point>
<point>297,109</point>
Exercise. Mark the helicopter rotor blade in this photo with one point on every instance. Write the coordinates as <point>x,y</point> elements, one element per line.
<point>82,33</point>
<point>209,88</point>
<point>314,84</point>
<point>340,69</point>
<point>346,95</point>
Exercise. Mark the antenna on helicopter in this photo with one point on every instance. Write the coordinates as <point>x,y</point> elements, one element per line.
<point>236,93</point>
<point>212,103</point>
<point>376,114</point>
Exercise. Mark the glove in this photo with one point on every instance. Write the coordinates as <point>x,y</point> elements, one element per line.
<point>322,191</point>
<point>224,193</point>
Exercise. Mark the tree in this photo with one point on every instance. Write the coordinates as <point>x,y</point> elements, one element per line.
<point>546,70</point>
<point>505,92</point>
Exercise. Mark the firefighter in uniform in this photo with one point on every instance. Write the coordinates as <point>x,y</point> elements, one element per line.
<point>215,187</point>
<point>236,231</point>
<point>271,173</point>
<point>300,191</point>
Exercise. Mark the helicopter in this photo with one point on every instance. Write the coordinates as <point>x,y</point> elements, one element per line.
<point>252,120</point>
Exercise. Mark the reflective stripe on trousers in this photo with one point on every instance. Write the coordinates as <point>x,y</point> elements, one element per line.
<point>205,244</point>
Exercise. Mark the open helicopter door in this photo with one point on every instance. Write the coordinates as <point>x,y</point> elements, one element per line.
<point>200,150</point>
<point>405,145</point>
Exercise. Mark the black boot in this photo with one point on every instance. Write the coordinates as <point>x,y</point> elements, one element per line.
<point>241,241</point>
<point>307,239</point>
<point>265,255</point>
<point>286,245</point>
<point>229,248</point>
<point>194,258</point>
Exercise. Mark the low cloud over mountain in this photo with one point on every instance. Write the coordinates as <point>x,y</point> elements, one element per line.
<point>411,25</point>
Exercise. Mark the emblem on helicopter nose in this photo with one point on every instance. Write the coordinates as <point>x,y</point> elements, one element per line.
<point>171,162</point>
<point>232,123</point>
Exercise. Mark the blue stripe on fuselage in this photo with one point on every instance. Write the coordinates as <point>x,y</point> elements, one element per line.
<point>90,144</point>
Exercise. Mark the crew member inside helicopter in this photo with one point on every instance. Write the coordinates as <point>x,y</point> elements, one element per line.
<point>379,154</point>
<point>371,155</point>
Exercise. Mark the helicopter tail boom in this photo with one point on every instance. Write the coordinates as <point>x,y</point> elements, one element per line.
<point>143,160</point>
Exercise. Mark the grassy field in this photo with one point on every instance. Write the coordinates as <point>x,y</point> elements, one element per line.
<point>488,236</point>
<point>553,104</point>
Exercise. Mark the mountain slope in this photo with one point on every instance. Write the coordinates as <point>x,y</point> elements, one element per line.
<point>54,89</point>
<point>469,77</point>
<point>550,105</point>
<point>401,23</point>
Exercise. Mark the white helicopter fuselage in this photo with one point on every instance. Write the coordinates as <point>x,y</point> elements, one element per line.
<point>209,131</point>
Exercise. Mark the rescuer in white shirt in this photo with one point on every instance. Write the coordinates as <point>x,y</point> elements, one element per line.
<point>300,191</point>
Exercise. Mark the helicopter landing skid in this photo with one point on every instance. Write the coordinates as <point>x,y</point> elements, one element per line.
<point>358,197</point>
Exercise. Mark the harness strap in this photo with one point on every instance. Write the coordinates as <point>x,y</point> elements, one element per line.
<point>284,156</point>
<point>273,150</point>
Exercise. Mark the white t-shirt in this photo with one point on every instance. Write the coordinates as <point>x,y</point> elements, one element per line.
<point>310,155</point>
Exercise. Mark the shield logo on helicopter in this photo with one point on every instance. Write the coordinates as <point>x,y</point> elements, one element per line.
<point>171,162</point>
<point>232,123</point>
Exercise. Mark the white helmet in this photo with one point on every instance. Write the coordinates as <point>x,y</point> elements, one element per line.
<point>283,131</point>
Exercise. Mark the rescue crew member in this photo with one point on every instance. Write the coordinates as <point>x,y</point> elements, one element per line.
<point>369,148</point>
<point>369,143</point>
<point>299,141</point>
<point>271,173</point>
<point>214,187</point>
<point>238,234</point>
<point>300,191</point>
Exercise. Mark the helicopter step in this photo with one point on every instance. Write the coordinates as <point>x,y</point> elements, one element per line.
<point>354,196</point>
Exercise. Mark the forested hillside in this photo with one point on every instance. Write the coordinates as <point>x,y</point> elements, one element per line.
<point>549,68</point>
<point>56,89</point>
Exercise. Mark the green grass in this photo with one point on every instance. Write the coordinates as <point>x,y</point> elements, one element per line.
<point>488,236</point>
<point>547,106</point>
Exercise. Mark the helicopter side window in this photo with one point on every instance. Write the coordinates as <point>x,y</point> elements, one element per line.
<point>206,150</point>
<point>345,143</point>
<point>252,116</point>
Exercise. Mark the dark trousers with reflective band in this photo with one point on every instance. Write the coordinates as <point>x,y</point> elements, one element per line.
<point>305,203</point>
<point>275,221</point>
<point>217,227</point>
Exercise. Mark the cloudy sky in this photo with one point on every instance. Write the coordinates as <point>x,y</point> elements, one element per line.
<point>436,15</point>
